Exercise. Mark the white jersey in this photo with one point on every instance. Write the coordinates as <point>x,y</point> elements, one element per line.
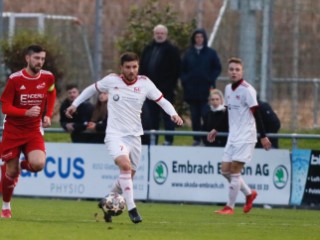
<point>242,125</point>
<point>125,103</point>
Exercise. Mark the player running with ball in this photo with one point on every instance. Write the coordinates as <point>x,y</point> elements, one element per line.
<point>127,93</point>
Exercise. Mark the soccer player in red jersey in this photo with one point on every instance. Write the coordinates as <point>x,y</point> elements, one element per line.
<point>28,103</point>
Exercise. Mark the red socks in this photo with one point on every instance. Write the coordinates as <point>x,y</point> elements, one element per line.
<point>8,185</point>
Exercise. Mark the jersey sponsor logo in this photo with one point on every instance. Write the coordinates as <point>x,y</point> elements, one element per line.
<point>22,87</point>
<point>116,97</point>
<point>41,86</point>
<point>31,99</point>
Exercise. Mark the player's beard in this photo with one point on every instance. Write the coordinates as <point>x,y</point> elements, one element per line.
<point>35,69</point>
<point>130,77</point>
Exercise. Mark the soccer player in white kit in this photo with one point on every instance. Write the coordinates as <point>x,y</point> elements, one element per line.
<point>244,121</point>
<point>127,93</point>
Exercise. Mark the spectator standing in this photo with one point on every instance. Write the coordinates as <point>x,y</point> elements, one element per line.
<point>216,118</point>
<point>200,69</point>
<point>244,121</point>
<point>271,122</point>
<point>78,124</point>
<point>28,102</point>
<point>98,122</point>
<point>160,61</point>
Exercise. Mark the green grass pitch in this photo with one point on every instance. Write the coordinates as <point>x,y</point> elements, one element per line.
<point>42,218</point>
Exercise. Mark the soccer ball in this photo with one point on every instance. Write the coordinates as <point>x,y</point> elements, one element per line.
<point>113,204</point>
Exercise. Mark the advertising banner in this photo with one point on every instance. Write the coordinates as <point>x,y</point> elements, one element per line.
<point>79,171</point>
<point>194,174</point>
<point>306,181</point>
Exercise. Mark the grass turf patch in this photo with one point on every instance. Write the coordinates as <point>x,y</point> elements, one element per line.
<point>41,218</point>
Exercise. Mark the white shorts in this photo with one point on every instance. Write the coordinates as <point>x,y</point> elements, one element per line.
<point>241,152</point>
<point>127,145</point>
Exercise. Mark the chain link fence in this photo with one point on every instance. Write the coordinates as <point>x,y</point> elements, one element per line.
<point>293,74</point>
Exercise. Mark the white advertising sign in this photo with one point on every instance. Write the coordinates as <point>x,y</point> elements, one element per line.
<point>79,171</point>
<point>194,174</point>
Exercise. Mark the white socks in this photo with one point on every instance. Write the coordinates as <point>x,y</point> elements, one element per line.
<point>234,189</point>
<point>6,205</point>
<point>244,188</point>
<point>116,187</point>
<point>126,185</point>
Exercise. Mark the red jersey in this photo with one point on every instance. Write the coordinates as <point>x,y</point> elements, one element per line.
<point>23,92</point>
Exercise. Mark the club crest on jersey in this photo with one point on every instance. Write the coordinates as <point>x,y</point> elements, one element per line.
<point>136,89</point>
<point>41,86</point>
<point>116,97</point>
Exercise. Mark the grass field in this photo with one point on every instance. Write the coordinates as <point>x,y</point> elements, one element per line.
<point>71,219</point>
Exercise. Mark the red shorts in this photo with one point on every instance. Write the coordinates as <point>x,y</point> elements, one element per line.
<point>12,146</point>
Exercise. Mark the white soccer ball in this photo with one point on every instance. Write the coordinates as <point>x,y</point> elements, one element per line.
<point>114,204</point>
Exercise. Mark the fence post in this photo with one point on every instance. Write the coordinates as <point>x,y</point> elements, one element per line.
<point>294,142</point>
<point>153,137</point>
<point>315,102</point>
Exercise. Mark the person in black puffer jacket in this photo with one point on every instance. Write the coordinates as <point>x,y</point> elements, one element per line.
<point>200,69</point>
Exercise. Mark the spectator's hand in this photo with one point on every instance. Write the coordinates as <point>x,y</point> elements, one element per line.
<point>265,142</point>
<point>212,135</point>
<point>70,111</point>
<point>91,125</point>
<point>33,112</point>
<point>46,122</point>
<point>176,119</point>
<point>69,127</point>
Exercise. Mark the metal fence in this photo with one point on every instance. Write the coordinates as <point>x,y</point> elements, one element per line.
<point>154,133</point>
<point>291,44</point>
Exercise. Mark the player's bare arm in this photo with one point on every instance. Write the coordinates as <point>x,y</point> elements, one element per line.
<point>211,137</point>
<point>70,111</point>
<point>177,119</point>
<point>33,111</point>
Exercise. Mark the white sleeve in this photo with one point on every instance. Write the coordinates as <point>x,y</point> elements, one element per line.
<point>87,93</point>
<point>251,97</point>
<point>167,107</point>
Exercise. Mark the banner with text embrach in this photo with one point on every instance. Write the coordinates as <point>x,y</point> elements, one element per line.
<point>79,171</point>
<point>194,174</point>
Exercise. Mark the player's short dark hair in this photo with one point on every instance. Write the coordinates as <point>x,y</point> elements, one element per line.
<point>128,57</point>
<point>34,48</point>
<point>71,86</point>
<point>235,60</point>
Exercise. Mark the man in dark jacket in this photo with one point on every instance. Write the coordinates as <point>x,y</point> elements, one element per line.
<point>271,122</point>
<point>200,69</point>
<point>160,61</point>
<point>78,124</point>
